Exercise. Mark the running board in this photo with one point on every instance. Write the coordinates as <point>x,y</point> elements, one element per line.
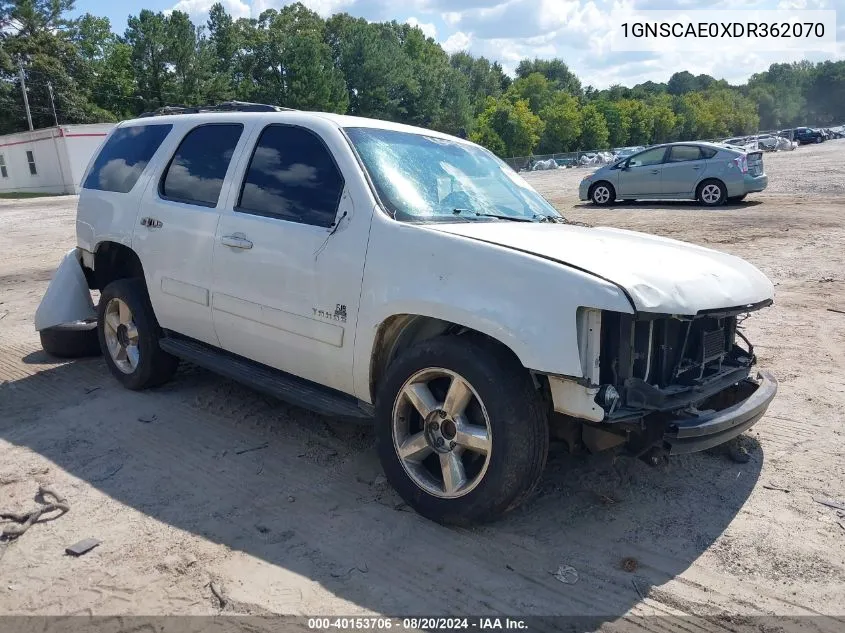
<point>272,382</point>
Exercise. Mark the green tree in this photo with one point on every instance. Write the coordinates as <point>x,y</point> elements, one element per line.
<point>371,60</point>
<point>562,119</point>
<point>485,79</point>
<point>594,134</point>
<point>618,121</point>
<point>295,66</point>
<point>36,35</point>
<point>508,127</point>
<point>555,71</point>
<point>533,88</point>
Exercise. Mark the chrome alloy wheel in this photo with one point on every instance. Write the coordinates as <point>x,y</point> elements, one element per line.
<point>121,336</point>
<point>442,433</point>
<point>601,194</point>
<point>711,193</point>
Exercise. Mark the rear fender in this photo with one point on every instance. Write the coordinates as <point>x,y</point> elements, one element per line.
<point>67,298</point>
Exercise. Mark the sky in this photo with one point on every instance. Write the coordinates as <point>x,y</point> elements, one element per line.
<point>507,31</point>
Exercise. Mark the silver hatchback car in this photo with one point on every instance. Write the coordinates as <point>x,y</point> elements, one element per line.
<point>712,174</point>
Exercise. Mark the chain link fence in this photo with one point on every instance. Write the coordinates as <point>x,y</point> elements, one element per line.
<point>597,157</point>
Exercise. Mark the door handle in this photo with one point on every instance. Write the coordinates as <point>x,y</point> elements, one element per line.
<point>655,171</point>
<point>151,223</point>
<point>238,240</point>
<point>696,167</point>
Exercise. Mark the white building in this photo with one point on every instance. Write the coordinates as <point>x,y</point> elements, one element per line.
<point>50,160</point>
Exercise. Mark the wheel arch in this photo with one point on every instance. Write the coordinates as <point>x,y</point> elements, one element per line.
<point>707,179</point>
<point>113,261</point>
<point>599,182</point>
<point>400,331</point>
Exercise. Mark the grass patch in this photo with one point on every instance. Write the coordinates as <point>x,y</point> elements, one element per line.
<point>15,195</point>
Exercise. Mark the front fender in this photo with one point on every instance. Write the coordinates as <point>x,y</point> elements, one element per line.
<point>67,298</point>
<point>527,303</point>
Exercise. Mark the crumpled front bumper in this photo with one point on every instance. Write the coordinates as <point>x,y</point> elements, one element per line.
<point>712,428</point>
<point>67,298</point>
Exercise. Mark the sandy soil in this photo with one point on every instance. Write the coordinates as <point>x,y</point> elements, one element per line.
<point>308,525</point>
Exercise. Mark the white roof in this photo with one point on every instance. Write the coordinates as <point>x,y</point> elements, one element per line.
<point>340,120</point>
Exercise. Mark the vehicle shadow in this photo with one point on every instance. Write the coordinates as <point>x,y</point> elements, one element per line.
<point>677,205</point>
<point>300,494</point>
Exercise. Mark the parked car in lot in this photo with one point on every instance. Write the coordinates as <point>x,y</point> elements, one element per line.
<point>710,173</point>
<point>367,269</point>
<point>805,135</point>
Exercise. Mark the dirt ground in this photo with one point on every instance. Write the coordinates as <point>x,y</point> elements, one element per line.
<point>308,526</point>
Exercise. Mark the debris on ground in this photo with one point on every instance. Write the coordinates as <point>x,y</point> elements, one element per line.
<point>830,503</point>
<point>27,519</point>
<point>254,448</point>
<point>349,571</point>
<point>217,591</point>
<point>738,452</point>
<point>82,547</point>
<point>637,589</point>
<point>291,499</point>
<point>566,574</point>
<point>629,564</point>
<point>771,487</point>
<point>148,420</point>
<point>835,310</point>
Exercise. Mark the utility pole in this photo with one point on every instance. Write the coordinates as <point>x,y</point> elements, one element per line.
<point>25,98</point>
<point>52,103</point>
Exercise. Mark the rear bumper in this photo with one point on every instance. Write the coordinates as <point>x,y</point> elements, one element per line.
<point>755,183</point>
<point>710,429</point>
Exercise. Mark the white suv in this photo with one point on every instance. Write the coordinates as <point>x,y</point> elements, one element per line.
<point>369,269</point>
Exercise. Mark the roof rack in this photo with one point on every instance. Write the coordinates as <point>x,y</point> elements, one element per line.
<point>226,106</point>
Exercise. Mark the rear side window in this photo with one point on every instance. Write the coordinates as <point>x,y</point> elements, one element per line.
<point>292,176</point>
<point>683,153</point>
<point>196,171</point>
<point>123,157</point>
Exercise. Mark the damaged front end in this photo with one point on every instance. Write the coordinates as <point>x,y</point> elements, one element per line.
<point>680,383</point>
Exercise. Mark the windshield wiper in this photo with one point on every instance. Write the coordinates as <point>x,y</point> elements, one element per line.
<point>498,216</point>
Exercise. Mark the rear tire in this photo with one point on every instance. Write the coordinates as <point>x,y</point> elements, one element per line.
<point>71,340</point>
<point>602,194</point>
<point>712,193</point>
<point>129,335</point>
<point>492,440</point>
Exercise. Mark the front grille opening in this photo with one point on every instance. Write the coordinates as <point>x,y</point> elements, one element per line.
<point>665,351</point>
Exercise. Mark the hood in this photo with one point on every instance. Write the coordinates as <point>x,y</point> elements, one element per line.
<point>659,274</point>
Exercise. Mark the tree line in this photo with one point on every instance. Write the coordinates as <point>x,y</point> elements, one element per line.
<point>294,58</point>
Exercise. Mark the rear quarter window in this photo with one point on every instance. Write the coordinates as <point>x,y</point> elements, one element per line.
<point>124,156</point>
<point>708,152</point>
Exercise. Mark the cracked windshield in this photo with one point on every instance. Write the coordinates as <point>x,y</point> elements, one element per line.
<point>426,179</point>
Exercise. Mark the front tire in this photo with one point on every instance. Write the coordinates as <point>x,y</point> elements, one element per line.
<point>712,193</point>
<point>603,194</point>
<point>129,335</point>
<point>460,430</point>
